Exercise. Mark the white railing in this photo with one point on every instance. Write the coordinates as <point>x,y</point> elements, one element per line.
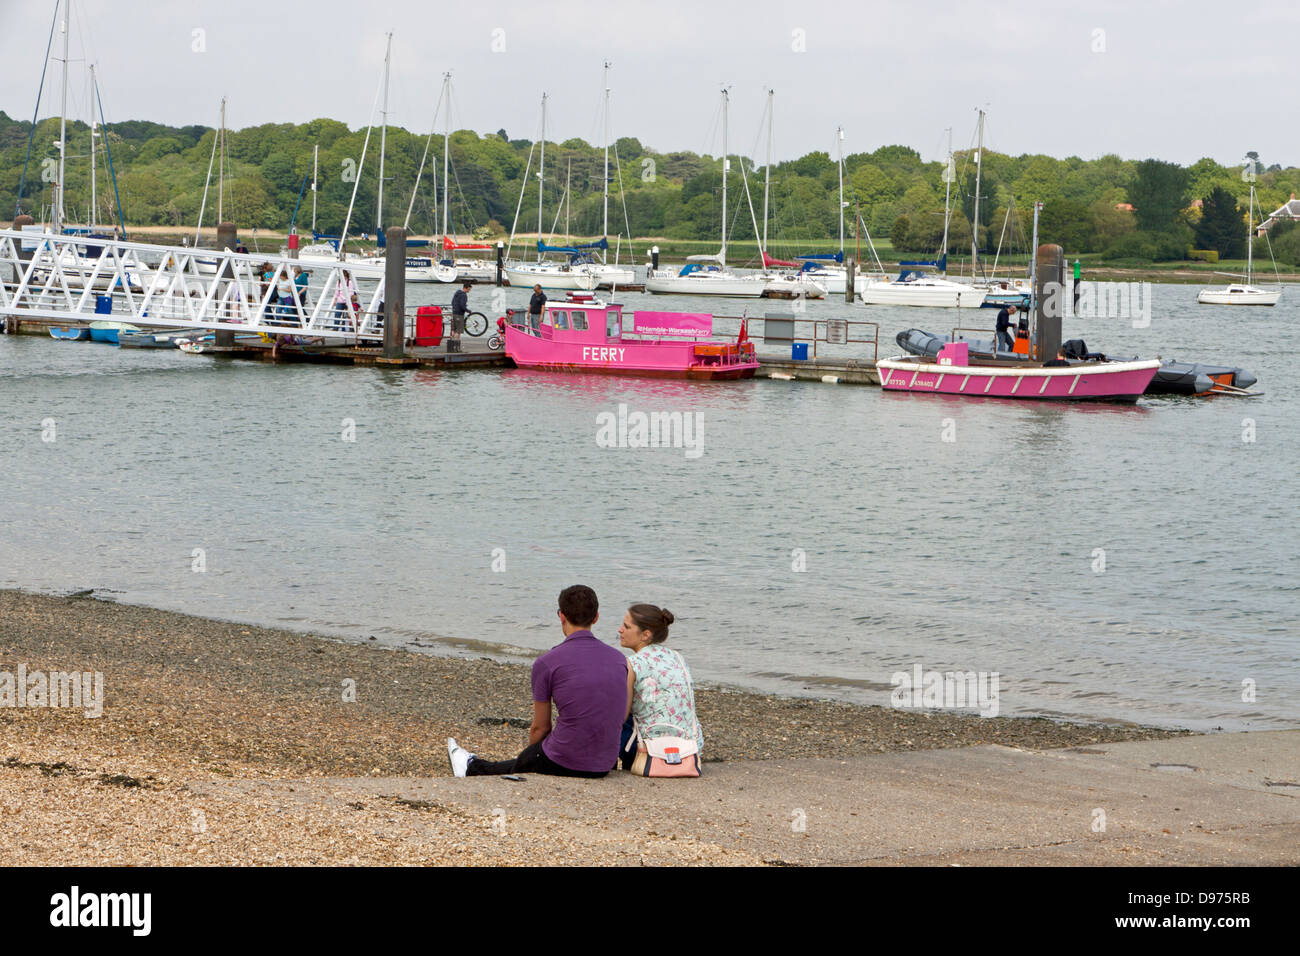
<point>44,276</point>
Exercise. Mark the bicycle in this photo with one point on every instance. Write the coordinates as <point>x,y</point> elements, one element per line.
<point>476,323</point>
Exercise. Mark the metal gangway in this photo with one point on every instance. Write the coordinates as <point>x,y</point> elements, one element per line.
<point>70,279</point>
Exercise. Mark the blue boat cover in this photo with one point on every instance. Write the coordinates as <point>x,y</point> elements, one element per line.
<point>573,250</point>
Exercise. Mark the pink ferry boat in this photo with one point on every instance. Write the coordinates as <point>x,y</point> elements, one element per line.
<point>584,334</point>
<point>951,372</point>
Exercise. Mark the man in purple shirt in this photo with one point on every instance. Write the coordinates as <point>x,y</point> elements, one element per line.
<point>586,680</point>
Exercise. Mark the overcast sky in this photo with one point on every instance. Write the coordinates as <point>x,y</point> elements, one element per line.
<point>1173,80</point>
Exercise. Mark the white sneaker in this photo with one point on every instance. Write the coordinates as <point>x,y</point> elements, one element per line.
<point>459,757</point>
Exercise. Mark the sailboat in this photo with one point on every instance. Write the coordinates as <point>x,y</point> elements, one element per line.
<point>418,268</point>
<point>1243,293</point>
<point>779,285</point>
<point>549,275</point>
<point>913,286</point>
<point>72,266</point>
<point>827,268</point>
<point>467,268</point>
<point>608,275</point>
<point>697,278</point>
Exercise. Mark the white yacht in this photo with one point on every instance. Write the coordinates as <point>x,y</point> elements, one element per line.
<point>1243,293</point>
<point>920,288</point>
<point>695,278</point>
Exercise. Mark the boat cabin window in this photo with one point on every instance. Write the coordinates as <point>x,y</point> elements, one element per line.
<point>613,324</point>
<point>560,320</point>
<point>579,321</point>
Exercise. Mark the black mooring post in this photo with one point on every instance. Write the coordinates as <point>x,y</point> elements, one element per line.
<point>395,293</point>
<point>1049,305</point>
<point>227,238</point>
<point>501,261</point>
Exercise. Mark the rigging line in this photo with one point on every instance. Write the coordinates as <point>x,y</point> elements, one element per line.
<point>433,125</point>
<point>108,152</point>
<point>31,135</point>
<point>627,222</point>
<point>522,189</point>
<point>453,110</point>
<point>206,183</point>
<point>343,233</point>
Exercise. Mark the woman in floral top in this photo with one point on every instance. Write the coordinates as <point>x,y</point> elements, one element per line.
<point>660,696</point>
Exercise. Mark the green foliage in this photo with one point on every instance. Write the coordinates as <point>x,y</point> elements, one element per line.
<point>1222,226</point>
<point>1284,241</point>
<point>1159,194</point>
<point>672,195</point>
<point>900,234</point>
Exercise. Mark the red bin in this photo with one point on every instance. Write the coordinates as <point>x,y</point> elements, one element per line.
<point>428,325</point>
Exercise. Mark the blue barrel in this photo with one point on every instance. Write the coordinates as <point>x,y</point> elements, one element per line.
<point>799,351</point>
<point>103,305</point>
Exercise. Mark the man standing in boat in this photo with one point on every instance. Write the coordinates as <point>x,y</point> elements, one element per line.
<point>459,306</point>
<point>535,306</point>
<point>1005,342</point>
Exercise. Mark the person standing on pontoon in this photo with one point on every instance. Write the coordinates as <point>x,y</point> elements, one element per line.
<point>345,294</point>
<point>1005,343</point>
<point>459,306</point>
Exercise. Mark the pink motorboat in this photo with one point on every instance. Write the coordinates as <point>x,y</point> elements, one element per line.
<point>952,372</point>
<point>585,334</point>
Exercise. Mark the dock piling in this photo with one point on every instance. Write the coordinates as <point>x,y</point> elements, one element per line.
<point>395,293</point>
<point>1049,288</point>
<point>849,268</point>
<point>227,238</point>
<point>501,262</point>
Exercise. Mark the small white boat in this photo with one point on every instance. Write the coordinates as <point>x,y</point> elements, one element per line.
<point>610,276</point>
<point>798,285</point>
<point>549,275</point>
<point>473,270</point>
<point>695,279</point>
<point>1239,294</point>
<point>77,268</point>
<point>1243,293</point>
<point>922,289</point>
<point>418,268</point>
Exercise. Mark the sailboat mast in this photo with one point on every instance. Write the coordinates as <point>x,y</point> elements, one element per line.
<point>63,118</point>
<point>1250,237</point>
<point>93,196</point>
<point>1033,257</point>
<point>315,176</point>
<point>446,147</point>
<point>839,162</point>
<point>975,229</point>
<point>947,202</point>
<point>604,227</point>
<point>767,168</point>
<point>722,255</point>
<point>568,203</point>
<point>541,172</point>
<point>383,138</point>
<point>221,168</point>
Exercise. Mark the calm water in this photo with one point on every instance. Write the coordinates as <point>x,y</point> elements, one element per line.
<point>976,554</point>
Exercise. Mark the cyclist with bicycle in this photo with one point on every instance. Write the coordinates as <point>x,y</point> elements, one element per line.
<point>459,306</point>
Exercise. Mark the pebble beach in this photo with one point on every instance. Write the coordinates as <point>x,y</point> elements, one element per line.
<point>227,744</point>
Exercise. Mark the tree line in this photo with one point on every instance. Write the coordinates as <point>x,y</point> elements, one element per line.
<point>1121,209</point>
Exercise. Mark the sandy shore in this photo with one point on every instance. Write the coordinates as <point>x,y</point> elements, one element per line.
<point>224,743</point>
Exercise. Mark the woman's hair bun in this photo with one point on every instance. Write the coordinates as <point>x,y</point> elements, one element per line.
<point>668,616</point>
